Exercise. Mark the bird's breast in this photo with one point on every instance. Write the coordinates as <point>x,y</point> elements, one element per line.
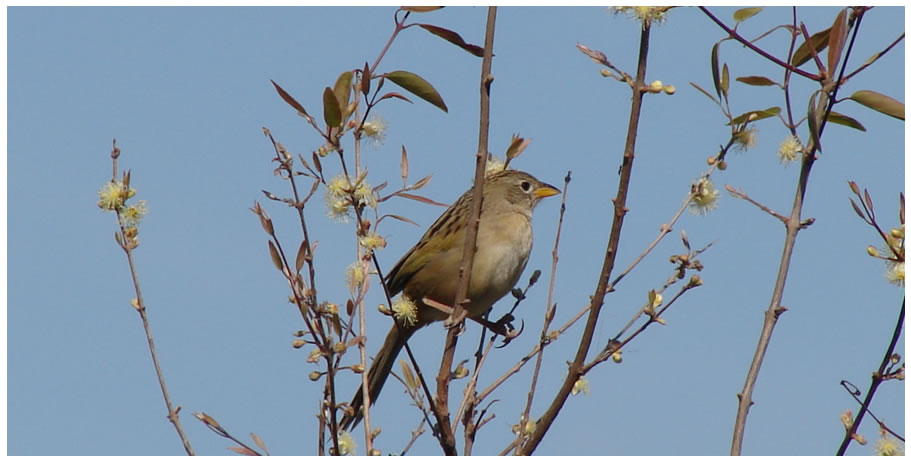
<point>504,244</point>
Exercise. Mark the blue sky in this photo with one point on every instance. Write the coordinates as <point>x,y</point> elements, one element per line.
<point>186,93</point>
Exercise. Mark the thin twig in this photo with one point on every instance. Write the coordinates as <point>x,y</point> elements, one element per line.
<point>744,196</point>
<point>471,232</point>
<point>140,306</point>
<point>792,227</point>
<point>610,254</point>
<point>755,48</point>
<point>550,310</point>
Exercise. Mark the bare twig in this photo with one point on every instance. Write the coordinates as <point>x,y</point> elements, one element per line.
<point>575,369</point>
<point>220,431</point>
<point>744,196</point>
<point>139,303</point>
<point>443,378</point>
<point>792,227</point>
<point>550,310</point>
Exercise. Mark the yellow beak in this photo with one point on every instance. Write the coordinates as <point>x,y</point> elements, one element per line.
<point>546,190</point>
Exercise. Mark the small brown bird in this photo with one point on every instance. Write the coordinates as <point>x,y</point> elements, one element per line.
<point>431,268</point>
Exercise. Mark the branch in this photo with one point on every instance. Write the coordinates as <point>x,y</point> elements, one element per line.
<point>792,227</point>
<point>447,438</point>
<point>610,254</point>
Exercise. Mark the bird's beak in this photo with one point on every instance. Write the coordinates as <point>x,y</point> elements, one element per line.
<point>546,190</point>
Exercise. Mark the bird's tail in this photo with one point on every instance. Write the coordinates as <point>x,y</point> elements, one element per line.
<point>379,372</point>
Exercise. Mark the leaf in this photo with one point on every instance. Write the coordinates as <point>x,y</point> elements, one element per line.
<point>259,442</point>
<point>404,166</point>
<point>813,122</point>
<point>516,147</point>
<point>342,89</point>
<point>454,39</point>
<point>421,9</point>
<point>757,81</point>
<point>365,79</point>
<point>857,210</point>
<point>746,13</point>
<point>868,201</point>
<point>276,259</point>
<point>289,99</point>
<point>242,451</point>
<point>725,80</point>
<point>301,256</point>
<point>839,31</point>
<point>595,55</point>
<point>400,218</point>
<point>704,92</point>
<point>418,87</point>
<point>759,115</point>
<point>418,198</point>
<point>332,114</point>
<point>841,119</point>
<point>716,73</point>
<point>820,41</point>
<point>420,183</point>
<point>880,103</point>
<point>393,94</point>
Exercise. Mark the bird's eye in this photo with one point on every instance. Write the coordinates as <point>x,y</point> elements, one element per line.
<point>526,186</point>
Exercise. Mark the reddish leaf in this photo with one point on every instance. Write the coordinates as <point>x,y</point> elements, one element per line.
<point>400,218</point>
<point>423,199</point>
<point>243,451</point>
<point>289,99</point>
<point>404,165</point>
<point>365,79</point>
<point>454,38</point>
<point>421,9</point>
<point>393,94</point>
<point>837,34</point>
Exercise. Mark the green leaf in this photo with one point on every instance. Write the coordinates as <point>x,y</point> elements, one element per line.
<point>289,99</point>
<point>841,119</point>
<point>454,38</point>
<point>745,13</point>
<point>820,41</point>
<point>753,116</point>
<point>342,89</point>
<point>418,87</point>
<point>716,73</point>
<point>839,31</point>
<point>813,121</point>
<point>332,114</point>
<point>725,80</point>
<point>757,80</point>
<point>880,103</point>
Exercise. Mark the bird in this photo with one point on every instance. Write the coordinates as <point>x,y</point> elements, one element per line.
<point>431,268</point>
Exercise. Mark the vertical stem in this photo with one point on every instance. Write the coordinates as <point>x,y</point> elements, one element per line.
<point>610,254</point>
<point>443,379</point>
<point>792,227</point>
